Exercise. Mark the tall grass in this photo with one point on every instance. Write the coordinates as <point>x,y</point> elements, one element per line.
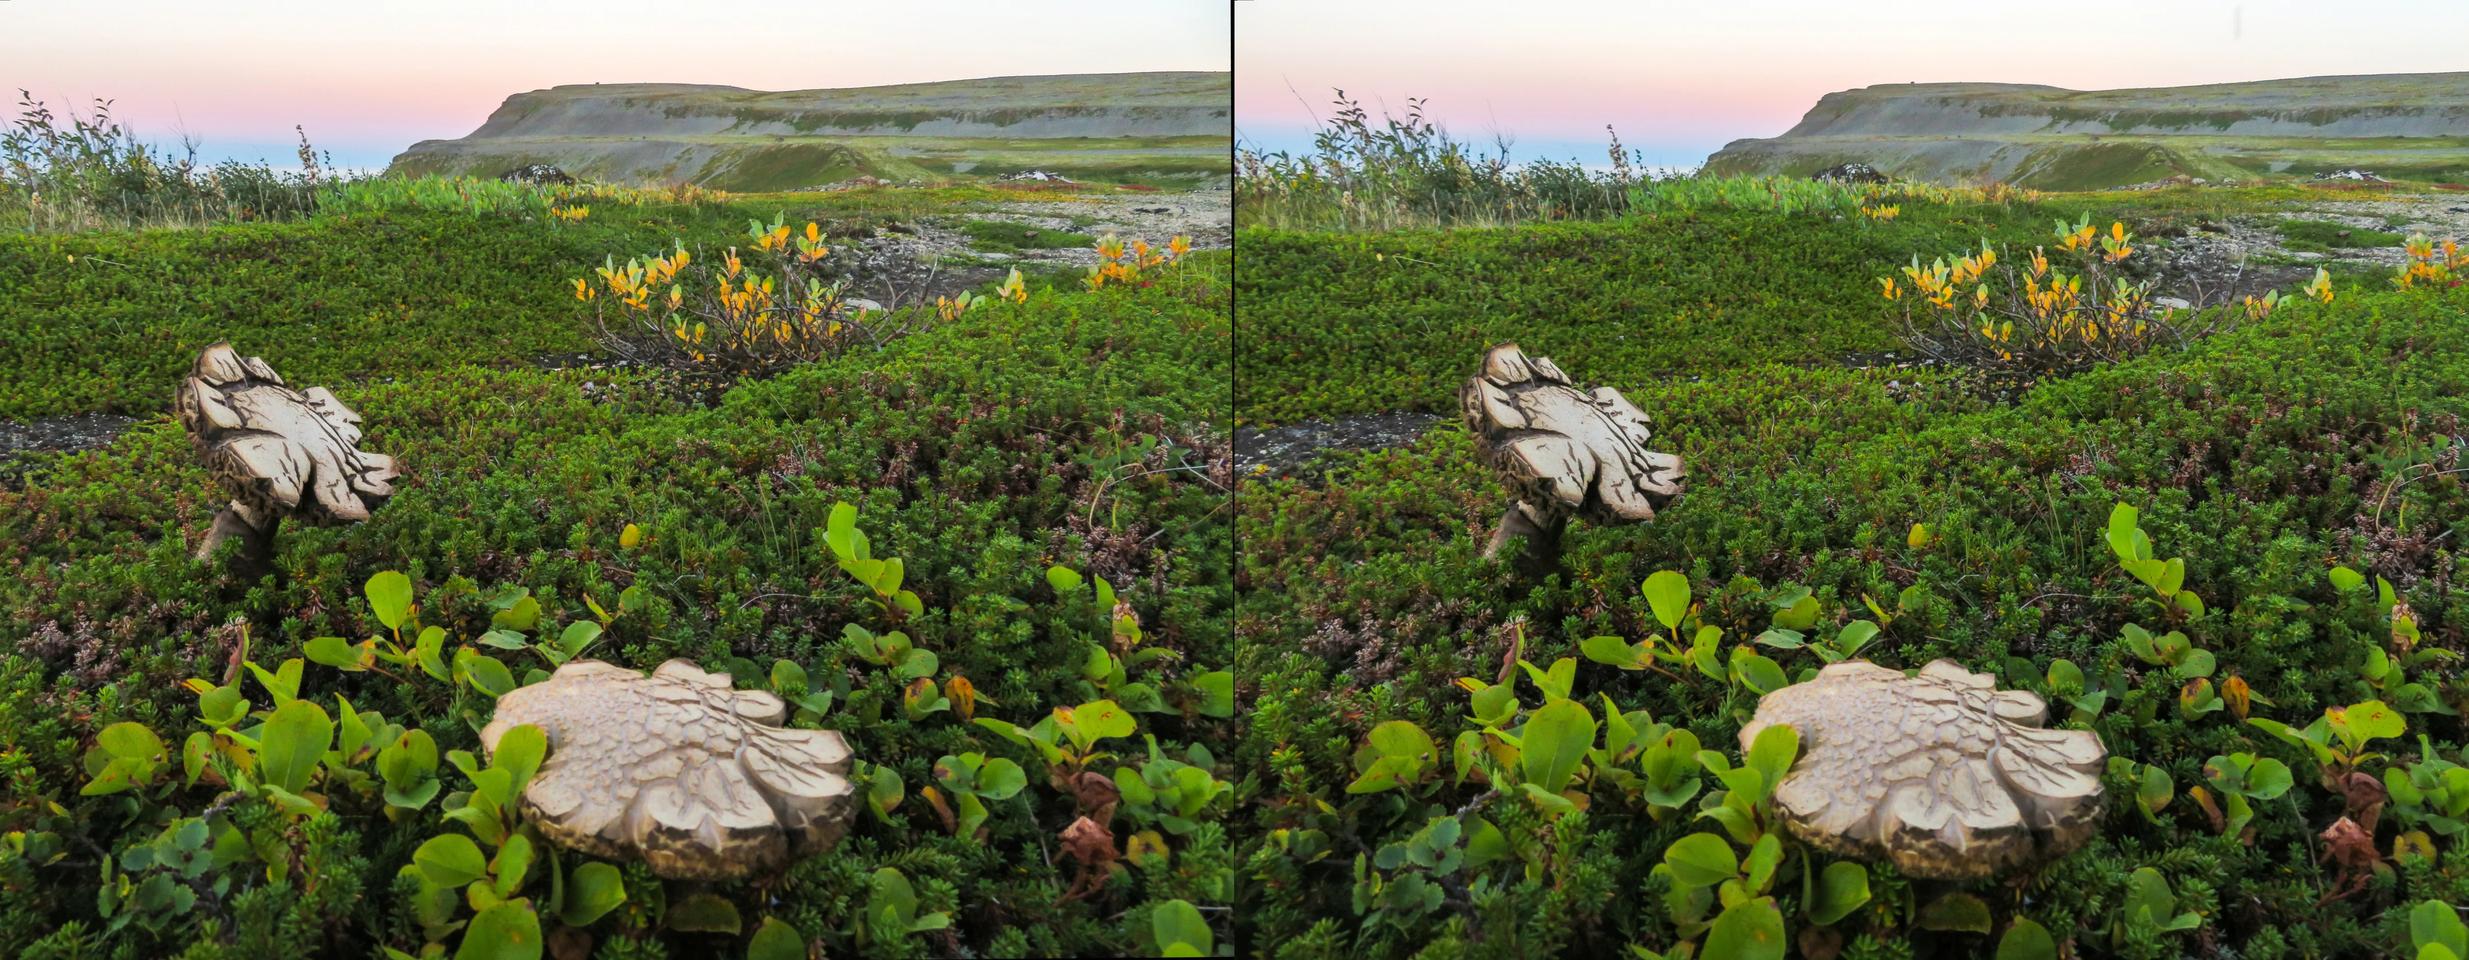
<point>67,174</point>
<point>1409,172</point>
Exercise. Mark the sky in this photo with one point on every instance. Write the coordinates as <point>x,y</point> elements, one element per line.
<point>1678,80</point>
<point>369,77</point>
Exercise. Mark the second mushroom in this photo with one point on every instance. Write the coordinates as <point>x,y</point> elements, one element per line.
<point>1941,773</point>
<point>678,769</point>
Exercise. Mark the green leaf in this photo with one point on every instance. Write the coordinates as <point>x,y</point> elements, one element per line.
<point>1956,913</point>
<point>334,652</point>
<point>704,913</point>
<point>1701,860</point>
<point>1772,753</point>
<point>1216,689</point>
<point>595,889</point>
<point>1556,739</point>
<point>1668,593</point>
<point>514,861</point>
<point>486,673</point>
<point>390,596</point>
<point>450,860</point>
<point>1177,924</point>
<point>1764,856</point>
<point>1401,738</point>
<point>776,940</point>
<point>1749,930</point>
<point>1613,650</point>
<point>1063,579</point>
<point>1841,888</point>
<point>519,752</point>
<point>132,741</point>
<point>1000,779</point>
<point>293,742</point>
<point>2026,940</point>
<point>2374,720</point>
<point>2122,533</point>
<point>506,931</point>
<point>2436,923</point>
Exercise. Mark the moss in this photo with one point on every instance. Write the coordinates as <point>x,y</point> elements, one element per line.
<point>2324,236</point>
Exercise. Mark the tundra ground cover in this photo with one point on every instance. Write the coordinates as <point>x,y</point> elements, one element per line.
<point>274,768</point>
<point>1445,760</point>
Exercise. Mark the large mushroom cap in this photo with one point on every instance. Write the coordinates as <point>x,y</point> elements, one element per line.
<point>1941,773</point>
<point>678,769</point>
<point>1566,450</point>
<point>278,451</point>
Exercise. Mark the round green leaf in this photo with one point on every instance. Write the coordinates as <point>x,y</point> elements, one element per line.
<point>390,596</point>
<point>1842,888</point>
<point>1701,860</point>
<point>1176,923</point>
<point>1749,930</point>
<point>2026,940</point>
<point>776,940</point>
<point>704,913</point>
<point>1668,593</point>
<point>130,740</point>
<point>451,860</point>
<point>505,931</point>
<point>1958,913</point>
<point>594,889</point>
<point>1557,737</point>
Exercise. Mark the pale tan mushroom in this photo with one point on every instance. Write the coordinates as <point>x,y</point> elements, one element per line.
<point>1941,773</point>
<point>278,451</point>
<point>678,769</point>
<point>1562,450</point>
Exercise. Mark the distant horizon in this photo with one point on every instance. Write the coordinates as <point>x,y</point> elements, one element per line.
<point>1681,157</point>
<point>367,82</point>
<point>283,155</point>
<point>1680,82</point>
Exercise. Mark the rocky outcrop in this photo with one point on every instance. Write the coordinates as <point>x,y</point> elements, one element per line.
<point>734,138</point>
<point>2075,139</point>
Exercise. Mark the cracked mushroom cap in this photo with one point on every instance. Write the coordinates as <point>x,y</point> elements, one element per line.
<point>1941,773</point>
<point>678,769</point>
<point>1566,450</point>
<point>279,451</point>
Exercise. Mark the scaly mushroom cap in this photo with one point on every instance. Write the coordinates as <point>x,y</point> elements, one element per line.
<point>1941,773</point>
<point>679,769</point>
<point>1564,450</point>
<point>267,444</point>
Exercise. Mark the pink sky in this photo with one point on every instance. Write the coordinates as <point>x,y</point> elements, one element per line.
<point>369,78</point>
<point>1681,79</point>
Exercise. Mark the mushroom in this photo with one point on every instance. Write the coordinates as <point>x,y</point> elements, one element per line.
<point>1564,451</point>
<point>1941,773</point>
<point>278,451</point>
<point>678,769</point>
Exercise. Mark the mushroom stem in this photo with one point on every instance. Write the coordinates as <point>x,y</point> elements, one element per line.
<point>1542,538</point>
<point>256,551</point>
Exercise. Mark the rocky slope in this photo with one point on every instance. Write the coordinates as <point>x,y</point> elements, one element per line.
<point>1110,127</point>
<point>2413,126</point>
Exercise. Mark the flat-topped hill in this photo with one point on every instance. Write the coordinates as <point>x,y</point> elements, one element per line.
<point>2412,126</point>
<point>1113,127</point>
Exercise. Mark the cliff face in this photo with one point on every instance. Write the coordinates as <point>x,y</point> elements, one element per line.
<point>1093,126</point>
<point>2411,125</point>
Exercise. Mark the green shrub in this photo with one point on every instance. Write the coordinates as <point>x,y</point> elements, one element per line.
<point>2222,633</point>
<point>542,521</point>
